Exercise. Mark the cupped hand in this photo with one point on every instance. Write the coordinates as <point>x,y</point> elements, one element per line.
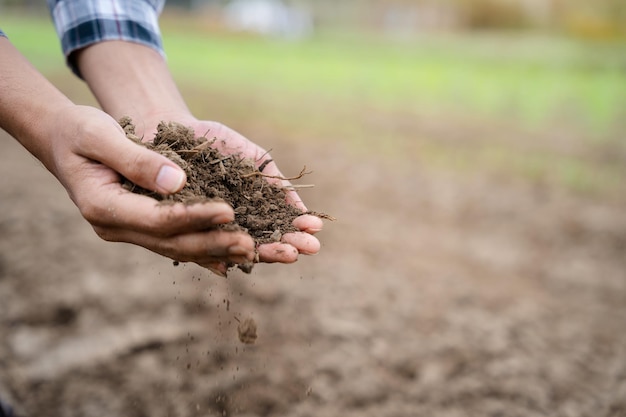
<point>231,142</point>
<point>88,154</point>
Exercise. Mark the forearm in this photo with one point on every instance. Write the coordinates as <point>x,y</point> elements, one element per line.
<point>28,103</point>
<point>130,79</point>
<point>116,47</point>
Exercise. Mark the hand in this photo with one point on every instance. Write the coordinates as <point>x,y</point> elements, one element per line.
<point>231,142</point>
<point>88,153</point>
<point>147,93</point>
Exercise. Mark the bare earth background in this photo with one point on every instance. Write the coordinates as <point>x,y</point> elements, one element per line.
<point>435,294</point>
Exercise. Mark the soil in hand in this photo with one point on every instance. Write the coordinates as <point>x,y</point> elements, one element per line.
<point>260,208</point>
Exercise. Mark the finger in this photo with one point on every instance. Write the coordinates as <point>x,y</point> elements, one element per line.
<point>305,243</point>
<point>277,252</point>
<point>218,268</point>
<point>113,207</point>
<point>205,248</point>
<point>106,143</point>
<point>308,223</point>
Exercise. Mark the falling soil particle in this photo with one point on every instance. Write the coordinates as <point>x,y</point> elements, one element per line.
<point>247,331</point>
<point>260,208</point>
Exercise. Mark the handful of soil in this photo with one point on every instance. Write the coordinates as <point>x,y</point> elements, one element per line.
<point>260,208</point>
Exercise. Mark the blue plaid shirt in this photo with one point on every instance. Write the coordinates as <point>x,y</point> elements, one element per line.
<point>80,23</point>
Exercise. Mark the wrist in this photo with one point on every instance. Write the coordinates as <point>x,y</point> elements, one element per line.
<point>29,104</point>
<point>130,79</point>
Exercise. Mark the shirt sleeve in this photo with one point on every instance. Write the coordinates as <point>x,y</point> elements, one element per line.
<point>2,34</point>
<point>80,23</point>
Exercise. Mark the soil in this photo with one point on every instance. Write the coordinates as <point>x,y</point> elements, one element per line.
<point>247,331</point>
<point>261,208</point>
<point>434,294</point>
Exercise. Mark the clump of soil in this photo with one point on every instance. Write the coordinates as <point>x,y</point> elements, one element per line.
<point>260,208</point>
<point>247,331</point>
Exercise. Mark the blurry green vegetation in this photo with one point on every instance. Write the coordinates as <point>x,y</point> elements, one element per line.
<point>35,37</point>
<point>360,89</point>
<point>532,80</point>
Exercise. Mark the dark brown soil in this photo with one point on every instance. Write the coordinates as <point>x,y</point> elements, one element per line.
<point>261,208</point>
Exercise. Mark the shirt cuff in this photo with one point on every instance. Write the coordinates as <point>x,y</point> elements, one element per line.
<point>80,23</point>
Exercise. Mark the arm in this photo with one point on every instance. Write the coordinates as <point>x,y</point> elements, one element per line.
<point>86,149</point>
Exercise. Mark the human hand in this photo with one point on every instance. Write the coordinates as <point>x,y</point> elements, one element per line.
<point>147,93</point>
<point>230,142</point>
<point>89,152</point>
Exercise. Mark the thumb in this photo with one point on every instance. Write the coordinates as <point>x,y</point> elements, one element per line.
<point>144,167</point>
<point>147,168</point>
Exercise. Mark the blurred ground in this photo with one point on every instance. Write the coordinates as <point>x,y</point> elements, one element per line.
<point>434,294</point>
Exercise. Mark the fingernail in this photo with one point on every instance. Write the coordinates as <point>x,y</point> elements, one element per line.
<point>170,179</point>
<point>239,259</point>
<point>237,250</point>
<point>222,218</point>
<point>216,271</point>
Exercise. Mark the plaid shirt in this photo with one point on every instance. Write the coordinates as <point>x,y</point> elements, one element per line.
<point>80,23</point>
